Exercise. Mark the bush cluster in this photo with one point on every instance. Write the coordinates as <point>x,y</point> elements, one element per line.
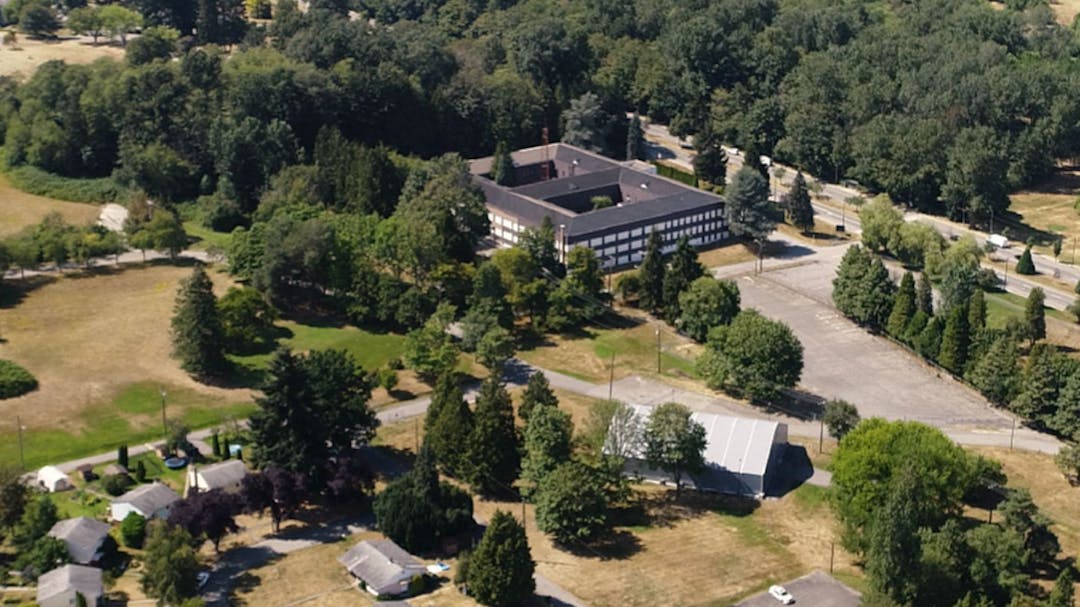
<point>14,380</point>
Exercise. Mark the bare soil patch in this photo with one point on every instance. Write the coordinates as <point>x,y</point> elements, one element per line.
<point>28,54</point>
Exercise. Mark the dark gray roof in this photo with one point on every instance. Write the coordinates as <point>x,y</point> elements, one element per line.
<point>646,197</point>
<point>148,499</point>
<point>392,604</point>
<point>83,537</point>
<point>382,565</point>
<point>81,579</point>
<point>222,474</point>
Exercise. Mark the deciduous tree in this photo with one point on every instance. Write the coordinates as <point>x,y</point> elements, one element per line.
<point>571,504</point>
<point>707,303</point>
<point>674,442</point>
<point>207,514</point>
<point>685,269</point>
<point>170,565</point>
<point>841,417</point>
<point>753,356</point>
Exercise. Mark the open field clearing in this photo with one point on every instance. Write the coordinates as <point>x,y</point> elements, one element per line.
<point>704,550</point>
<point>19,209</point>
<point>28,54</point>
<point>99,346</point>
<point>588,355</point>
<point>1065,10</point>
<point>309,573</point>
<point>1047,209</point>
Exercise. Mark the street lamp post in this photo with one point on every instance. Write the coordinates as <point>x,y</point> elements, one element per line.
<point>657,349</point>
<point>164,425</point>
<point>22,457</point>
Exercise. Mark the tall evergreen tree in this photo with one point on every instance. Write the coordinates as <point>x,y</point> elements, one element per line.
<point>450,432</point>
<point>924,295</point>
<point>1025,265</point>
<point>748,207</point>
<point>850,276</point>
<point>197,337</point>
<point>1035,315</point>
<point>1041,382</point>
<point>500,570</point>
<point>1062,594</point>
<point>494,448</point>
<point>651,273</point>
<point>955,340</point>
<point>977,312</point>
<point>894,544</point>
<point>710,163</point>
<point>876,296</point>
<point>489,295</point>
<point>502,165</point>
<point>928,343</point>
<point>446,391</point>
<point>635,139</point>
<point>903,307</point>
<point>538,393</point>
<point>547,444</point>
<point>997,374</point>
<point>800,211</point>
<point>685,269</point>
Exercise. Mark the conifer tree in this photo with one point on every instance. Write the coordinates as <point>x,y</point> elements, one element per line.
<point>502,166</point>
<point>997,375</point>
<point>1040,384</point>
<point>924,295</point>
<point>685,269</point>
<point>800,210</point>
<point>500,572</point>
<point>494,447</point>
<point>547,444</point>
<point>710,163</point>
<point>903,307</point>
<point>928,344</point>
<point>977,312</point>
<point>197,337</point>
<point>1035,315</point>
<point>1025,265</point>
<point>876,296</point>
<point>651,273</point>
<point>450,432</point>
<point>446,390</point>
<point>849,280</point>
<point>955,340</point>
<point>1062,594</point>
<point>537,394</point>
<point>635,139</point>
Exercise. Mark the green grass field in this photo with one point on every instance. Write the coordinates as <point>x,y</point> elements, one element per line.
<point>371,350</point>
<point>203,237</point>
<point>132,418</point>
<point>1002,306</point>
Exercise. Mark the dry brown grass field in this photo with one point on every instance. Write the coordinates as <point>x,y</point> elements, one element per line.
<point>19,209</point>
<point>27,54</point>
<point>86,336</point>
<point>1065,10</point>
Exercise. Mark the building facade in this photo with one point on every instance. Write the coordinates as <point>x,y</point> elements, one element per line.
<point>564,183</point>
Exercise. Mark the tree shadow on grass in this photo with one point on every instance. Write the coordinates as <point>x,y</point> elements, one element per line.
<point>800,404</point>
<point>14,290</point>
<point>665,509</point>
<point>616,544</point>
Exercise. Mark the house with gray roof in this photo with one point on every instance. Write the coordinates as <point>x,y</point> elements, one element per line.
<point>226,475</point>
<point>742,455</point>
<point>61,586</point>
<point>84,538</point>
<point>151,501</point>
<point>560,181</point>
<point>383,567</point>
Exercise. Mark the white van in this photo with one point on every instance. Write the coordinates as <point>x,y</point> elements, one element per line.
<point>998,241</point>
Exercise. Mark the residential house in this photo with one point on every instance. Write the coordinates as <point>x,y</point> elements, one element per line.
<point>151,501</point>
<point>61,586</point>
<point>226,475</point>
<point>84,538</point>
<point>383,567</point>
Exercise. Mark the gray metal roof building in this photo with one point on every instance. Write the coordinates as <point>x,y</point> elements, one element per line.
<point>226,475</point>
<point>83,537</point>
<point>59,587</point>
<point>741,454</point>
<point>153,500</point>
<point>383,566</point>
<point>559,181</point>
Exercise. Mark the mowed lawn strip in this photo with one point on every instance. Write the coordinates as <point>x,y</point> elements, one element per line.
<point>372,350</point>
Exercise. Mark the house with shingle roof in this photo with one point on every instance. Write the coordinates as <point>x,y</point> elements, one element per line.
<point>384,568</point>
<point>61,586</point>
<point>151,501</point>
<point>226,475</point>
<point>84,538</point>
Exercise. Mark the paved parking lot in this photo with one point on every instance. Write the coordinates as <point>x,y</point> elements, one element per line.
<point>814,590</point>
<point>844,361</point>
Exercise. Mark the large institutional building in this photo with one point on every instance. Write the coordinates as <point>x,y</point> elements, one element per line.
<point>563,182</point>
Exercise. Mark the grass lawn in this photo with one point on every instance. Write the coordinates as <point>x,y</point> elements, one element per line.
<point>28,54</point>
<point>99,346</point>
<point>204,238</point>
<point>824,233</point>
<point>1061,328</point>
<point>588,354</point>
<point>372,350</point>
<point>72,504</point>
<point>1045,211</point>
<point>20,209</point>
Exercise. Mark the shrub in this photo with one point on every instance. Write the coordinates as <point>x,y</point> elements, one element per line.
<point>140,471</point>
<point>665,170</point>
<point>116,484</point>
<point>1068,459</point>
<point>14,380</point>
<point>133,530</point>
<point>395,364</point>
<point>417,585</point>
<point>1024,265</point>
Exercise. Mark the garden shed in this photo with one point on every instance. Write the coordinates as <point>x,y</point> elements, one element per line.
<point>52,479</point>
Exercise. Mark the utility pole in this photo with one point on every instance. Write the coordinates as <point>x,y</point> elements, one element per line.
<point>821,434</point>
<point>611,378</point>
<point>22,457</point>
<point>1005,262</point>
<point>1012,435</point>
<point>164,424</point>
<point>416,434</point>
<point>832,555</point>
<point>657,349</point>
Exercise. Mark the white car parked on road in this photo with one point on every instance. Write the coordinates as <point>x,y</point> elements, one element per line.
<point>781,594</point>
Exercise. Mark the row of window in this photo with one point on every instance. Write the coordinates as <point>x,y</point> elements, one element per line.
<point>663,226</point>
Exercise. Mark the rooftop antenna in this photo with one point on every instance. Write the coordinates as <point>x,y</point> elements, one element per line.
<point>544,167</point>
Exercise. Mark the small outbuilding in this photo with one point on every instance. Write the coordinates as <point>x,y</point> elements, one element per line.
<point>52,479</point>
<point>84,538</point>
<point>226,475</point>
<point>62,586</point>
<point>383,567</point>
<point>741,454</point>
<point>151,501</point>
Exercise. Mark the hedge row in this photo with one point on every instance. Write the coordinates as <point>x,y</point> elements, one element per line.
<point>666,170</point>
<point>36,181</point>
<point>14,380</point>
